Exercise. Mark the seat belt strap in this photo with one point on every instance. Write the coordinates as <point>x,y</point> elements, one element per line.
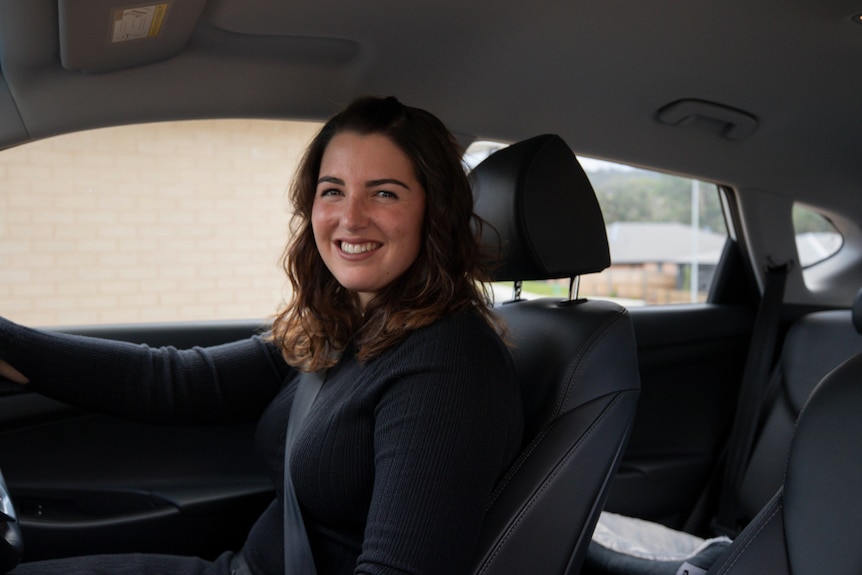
<point>754,386</point>
<point>298,559</point>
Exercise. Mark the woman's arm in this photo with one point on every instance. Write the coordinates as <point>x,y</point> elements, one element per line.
<point>220,384</point>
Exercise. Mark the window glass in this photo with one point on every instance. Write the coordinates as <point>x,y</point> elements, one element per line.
<point>666,235</point>
<point>159,222</point>
<point>816,237</point>
<point>188,220</point>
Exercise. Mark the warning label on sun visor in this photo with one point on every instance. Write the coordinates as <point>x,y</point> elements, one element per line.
<point>138,22</point>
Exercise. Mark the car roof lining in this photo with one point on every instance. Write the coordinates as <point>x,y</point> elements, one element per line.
<point>261,58</point>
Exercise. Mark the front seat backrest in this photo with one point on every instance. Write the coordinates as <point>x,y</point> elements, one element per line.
<point>815,345</point>
<point>812,525</point>
<point>576,360</point>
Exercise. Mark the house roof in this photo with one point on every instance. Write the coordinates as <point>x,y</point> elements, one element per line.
<point>644,242</point>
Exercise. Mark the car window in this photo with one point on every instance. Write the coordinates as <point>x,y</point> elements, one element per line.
<point>816,237</point>
<point>157,222</point>
<point>188,220</point>
<point>666,235</point>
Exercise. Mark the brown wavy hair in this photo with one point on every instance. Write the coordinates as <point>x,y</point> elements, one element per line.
<point>323,318</point>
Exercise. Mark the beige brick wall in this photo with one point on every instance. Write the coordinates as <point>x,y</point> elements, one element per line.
<point>163,222</point>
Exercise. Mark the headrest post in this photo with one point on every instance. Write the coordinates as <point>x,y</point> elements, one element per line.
<point>574,287</point>
<point>516,290</point>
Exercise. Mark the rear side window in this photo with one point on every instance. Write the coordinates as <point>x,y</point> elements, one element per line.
<point>816,237</point>
<point>666,236</point>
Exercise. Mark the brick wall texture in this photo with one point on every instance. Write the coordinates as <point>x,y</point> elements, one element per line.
<point>159,222</point>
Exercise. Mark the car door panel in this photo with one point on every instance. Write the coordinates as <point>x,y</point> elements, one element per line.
<point>90,483</point>
<point>134,487</point>
<point>691,359</point>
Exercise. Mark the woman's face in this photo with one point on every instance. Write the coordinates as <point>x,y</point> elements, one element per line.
<point>367,213</point>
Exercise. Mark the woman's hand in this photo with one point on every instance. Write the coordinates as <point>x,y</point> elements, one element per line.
<point>11,373</point>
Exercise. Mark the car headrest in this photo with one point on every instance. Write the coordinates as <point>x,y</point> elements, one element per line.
<point>857,311</point>
<point>545,220</point>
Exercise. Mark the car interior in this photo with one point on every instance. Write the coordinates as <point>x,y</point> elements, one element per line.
<point>635,405</point>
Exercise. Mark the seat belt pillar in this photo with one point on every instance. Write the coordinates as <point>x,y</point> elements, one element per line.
<point>755,381</point>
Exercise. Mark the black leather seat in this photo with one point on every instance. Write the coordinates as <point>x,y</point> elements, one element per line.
<point>814,345</point>
<point>576,360</point>
<point>812,525</point>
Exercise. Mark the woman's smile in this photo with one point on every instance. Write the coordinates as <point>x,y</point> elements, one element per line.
<point>358,248</point>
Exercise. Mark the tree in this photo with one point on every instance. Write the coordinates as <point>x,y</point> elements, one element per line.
<point>639,196</point>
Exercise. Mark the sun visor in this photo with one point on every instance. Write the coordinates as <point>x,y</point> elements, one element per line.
<point>104,35</point>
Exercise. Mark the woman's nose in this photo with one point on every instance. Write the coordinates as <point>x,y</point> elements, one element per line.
<point>353,215</point>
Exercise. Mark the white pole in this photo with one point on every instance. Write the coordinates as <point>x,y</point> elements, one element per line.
<point>695,232</point>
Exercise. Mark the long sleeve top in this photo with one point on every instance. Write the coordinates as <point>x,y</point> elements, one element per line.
<point>395,463</point>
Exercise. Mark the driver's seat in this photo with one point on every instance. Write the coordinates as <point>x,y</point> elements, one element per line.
<point>575,359</point>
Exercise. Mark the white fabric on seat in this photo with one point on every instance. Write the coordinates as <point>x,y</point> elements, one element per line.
<point>647,540</point>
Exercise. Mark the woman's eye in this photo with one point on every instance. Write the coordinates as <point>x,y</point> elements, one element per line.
<point>387,194</point>
<point>329,192</point>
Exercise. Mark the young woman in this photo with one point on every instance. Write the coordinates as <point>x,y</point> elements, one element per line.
<point>419,414</point>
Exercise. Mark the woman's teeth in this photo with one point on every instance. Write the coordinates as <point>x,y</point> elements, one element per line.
<point>359,248</point>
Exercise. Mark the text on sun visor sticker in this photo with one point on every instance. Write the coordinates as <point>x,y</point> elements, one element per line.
<point>139,22</point>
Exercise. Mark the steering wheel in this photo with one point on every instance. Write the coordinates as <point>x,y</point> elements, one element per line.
<point>11,544</point>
